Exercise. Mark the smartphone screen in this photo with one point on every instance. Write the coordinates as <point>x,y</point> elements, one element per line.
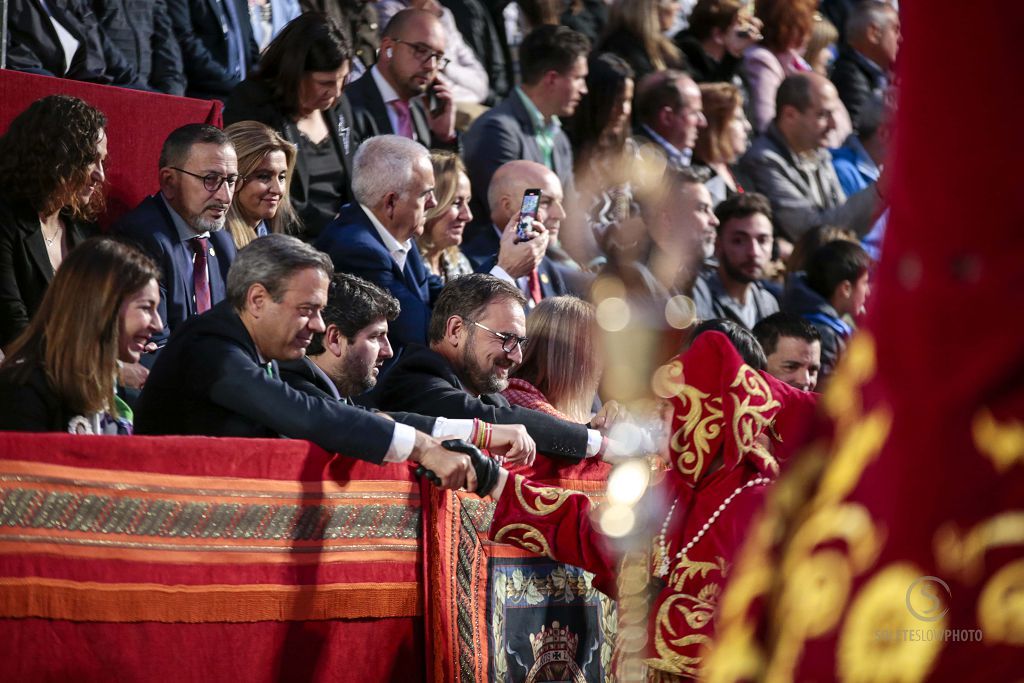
<point>528,214</point>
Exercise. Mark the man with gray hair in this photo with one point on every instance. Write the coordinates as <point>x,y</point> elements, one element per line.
<point>393,186</point>
<point>864,66</point>
<point>181,226</point>
<point>219,376</point>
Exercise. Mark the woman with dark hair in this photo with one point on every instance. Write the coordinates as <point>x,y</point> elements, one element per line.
<point>724,140</point>
<point>261,204</point>
<point>60,374</point>
<point>446,222</point>
<point>603,152</point>
<point>51,189</point>
<point>713,43</point>
<point>296,90</point>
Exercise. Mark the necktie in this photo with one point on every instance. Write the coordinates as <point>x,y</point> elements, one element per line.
<point>401,108</point>
<point>200,276</point>
<point>535,292</point>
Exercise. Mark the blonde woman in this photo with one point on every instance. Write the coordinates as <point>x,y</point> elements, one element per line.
<point>561,366</point>
<point>261,204</point>
<point>724,140</point>
<point>636,32</point>
<point>446,222</point>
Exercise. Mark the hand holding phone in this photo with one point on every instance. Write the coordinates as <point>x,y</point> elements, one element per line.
<point>528,214</point>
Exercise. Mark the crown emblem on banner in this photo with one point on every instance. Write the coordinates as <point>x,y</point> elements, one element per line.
<point>555,639</point>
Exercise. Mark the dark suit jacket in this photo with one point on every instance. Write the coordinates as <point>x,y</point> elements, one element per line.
<point>31,404</point>
<point>355,247</point>
<point>856,81</point>
<point>300,375</point>
<point>503,134</point>
<point>33,45</point>
<point>253,100</point>
<point>370,114</point>
<point>141,31</point>
<point>149,225</point>
<point>25,270</point>
<point>201,27</point>
<point>425,382</point>
<point>482,252</point>
<point>208,381</point>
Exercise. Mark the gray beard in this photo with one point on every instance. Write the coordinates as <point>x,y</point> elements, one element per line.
<point>207,225</point>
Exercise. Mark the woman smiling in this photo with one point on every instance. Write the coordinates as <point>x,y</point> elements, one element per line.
<point>261,202</point>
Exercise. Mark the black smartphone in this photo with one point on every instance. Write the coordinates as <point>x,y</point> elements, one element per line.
<point>528,214</point>
<point>435,105</point>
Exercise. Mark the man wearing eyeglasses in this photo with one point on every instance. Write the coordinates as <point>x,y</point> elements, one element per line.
<point>182,226</point>
<point>476,339</point>
<point>402,94</point>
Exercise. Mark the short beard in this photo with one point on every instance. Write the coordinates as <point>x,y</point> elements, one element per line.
<point>480,380</point>
<point>353,379</point>
<point>736,274</point>
<point>201,224</point>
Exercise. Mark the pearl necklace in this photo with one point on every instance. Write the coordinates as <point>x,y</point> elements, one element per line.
<point>663,562</point>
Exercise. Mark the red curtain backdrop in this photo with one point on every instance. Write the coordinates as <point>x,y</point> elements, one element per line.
<point>137,124</point>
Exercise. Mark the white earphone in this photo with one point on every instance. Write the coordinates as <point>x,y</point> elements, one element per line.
<point>389,53</point>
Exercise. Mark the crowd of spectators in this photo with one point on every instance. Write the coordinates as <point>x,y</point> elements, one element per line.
<point>376,157</point>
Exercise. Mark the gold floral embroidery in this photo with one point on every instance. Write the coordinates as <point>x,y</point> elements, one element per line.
<point>1002,443</point>
<point>842,402</point>
<point>1001,606</point>
<point>545,499</point>
<point>859,445</point>
<point>962,554</point>
<point>696,610</point>
<point>702,423</point>
<point>524,536</point>
<point>750,419</point>
<point>865,654</point>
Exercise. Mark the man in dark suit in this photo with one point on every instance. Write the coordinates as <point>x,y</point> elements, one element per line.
<point>79,50</point>
<point>864,66</point>
<point>387,99</point>
<point>476,339</point>
<point>182,226</point>
<point>541,277</point>
<point>345,360</point>
<point>553,65</point>
<point>219,376</point>
<point>669,115</point>
<point>393,184</point>
<point>217,45</point>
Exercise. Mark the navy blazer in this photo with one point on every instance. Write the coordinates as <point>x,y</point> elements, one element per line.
<point>355,247</point>
<point>482,252</point>
<point>209,381</point>
<point>503,134</point>
<point>149,225</point>
<point>201,27</point>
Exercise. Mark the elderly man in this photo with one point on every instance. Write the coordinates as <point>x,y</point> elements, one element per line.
<point>669,114</point>
<point>387,99</point>
<point>219,374</point>
<point>553,66</point>
<point>791,166</point>
<point>182,226</point>
<point>865,63</point>
<point>538,277</point>
<point>476,340</point>
<point>393,185</point>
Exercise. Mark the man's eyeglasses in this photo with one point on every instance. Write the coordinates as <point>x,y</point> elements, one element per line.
<point>508,341</point>
<point>212,181</point>
<point>424,53</point>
